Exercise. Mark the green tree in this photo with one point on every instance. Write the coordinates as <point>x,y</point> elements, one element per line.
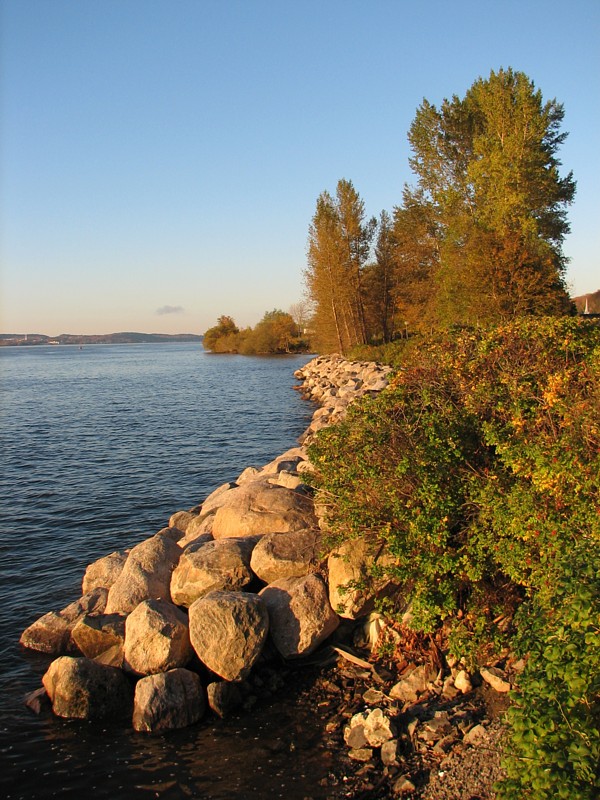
<point>489,183</point>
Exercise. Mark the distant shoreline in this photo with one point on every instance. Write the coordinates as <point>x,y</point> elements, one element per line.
<point>33,339</point>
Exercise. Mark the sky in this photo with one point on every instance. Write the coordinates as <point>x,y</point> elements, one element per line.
<point>160,160</point>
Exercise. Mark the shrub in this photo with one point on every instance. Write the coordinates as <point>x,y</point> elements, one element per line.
<point>480,467</point>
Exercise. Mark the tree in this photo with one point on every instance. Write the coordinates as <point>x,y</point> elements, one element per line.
<point>301,313</point>
<point>416,256</point>
<point>275,333</point>
<point>356,234</point>
<point>489,183</point>
<point>224,331</point>
<point>381,282</point>
<point>338,247</point>
<point>323,275</point>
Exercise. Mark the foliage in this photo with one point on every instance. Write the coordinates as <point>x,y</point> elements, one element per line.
<point>479,467</point>
<point>489,183</point>
<point>277,332</point>
<point>221,338</point>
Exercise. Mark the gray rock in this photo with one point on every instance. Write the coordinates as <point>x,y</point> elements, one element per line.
<point>403,785</point>
<point>286,555</point>
<point>103,572</point>
<point>146,574</point>
<point>223,697</point>
<point>259,507</point>
<point>228,631</point>
<point>181,520</point>
<point>413,684</point>
<point>350,564</point>
<point>80,688</point>
<point>389,753</point>
<point>168,700</point>
<point>476,735</point>
<point>51,633</point>
<point>462,681</point>
<point>156,638</point>
<point>378,728</point>
<point>300,615</point>
<point>95,634</point>
<point>361,754</point>
<point>495,678</point>
<point>213,565</point>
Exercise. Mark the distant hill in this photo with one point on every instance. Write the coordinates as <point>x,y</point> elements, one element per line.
<point>593,302</point>
<point>104,338</point>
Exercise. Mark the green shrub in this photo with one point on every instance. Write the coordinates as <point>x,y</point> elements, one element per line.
<point>479,467</point>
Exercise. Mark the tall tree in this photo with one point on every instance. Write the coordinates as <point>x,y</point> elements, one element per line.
<point>488,179</point>
<point>338,248</point>
<point>323,275</point>
<point>356,233</point>
<point>380,284</point>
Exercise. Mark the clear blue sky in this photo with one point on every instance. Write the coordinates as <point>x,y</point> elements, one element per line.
<point>161,159</point>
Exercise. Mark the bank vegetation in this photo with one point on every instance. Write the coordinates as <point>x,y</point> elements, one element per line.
<point>478,469</point>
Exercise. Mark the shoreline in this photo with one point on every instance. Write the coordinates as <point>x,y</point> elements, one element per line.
<point>334,383</point>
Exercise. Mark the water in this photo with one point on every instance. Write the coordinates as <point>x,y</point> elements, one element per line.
<point>99,446</point>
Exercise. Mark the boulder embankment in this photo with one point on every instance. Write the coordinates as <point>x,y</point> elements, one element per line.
<point>177,626</point>
<point>235,580</point>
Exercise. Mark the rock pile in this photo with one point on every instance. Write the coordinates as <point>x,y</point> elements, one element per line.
<point>441,746</point>
<point>334,383</point>
<point>185,619</point>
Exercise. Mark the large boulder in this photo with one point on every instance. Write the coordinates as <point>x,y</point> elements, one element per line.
<point>80,688</point>
<point>156,638</point>
<point>260,507</point>
<point>286,555</point>
<point>146,574</point>
<point>228,631</point>
<point>95,634</point>
<point>181,520</point>
<point>103,572</point>
<point>299,613</point>
<point>169,700</point>
<point>352,592</point>
<point>213,565</point>
<point>223,697</point>
<point>51,633</point>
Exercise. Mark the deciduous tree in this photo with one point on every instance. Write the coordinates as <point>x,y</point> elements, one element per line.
<point>488,179</point>
<point>338,248</point>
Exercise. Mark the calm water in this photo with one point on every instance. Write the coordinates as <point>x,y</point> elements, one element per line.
<point>99,446</point>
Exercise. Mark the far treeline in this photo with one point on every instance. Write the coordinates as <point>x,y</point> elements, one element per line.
<point>277,332</point>
<point>477,239</point>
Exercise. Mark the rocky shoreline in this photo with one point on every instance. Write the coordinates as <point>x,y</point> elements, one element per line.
<point>212,612</point>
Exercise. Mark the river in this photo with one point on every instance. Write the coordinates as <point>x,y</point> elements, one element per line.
<point>99,446</point>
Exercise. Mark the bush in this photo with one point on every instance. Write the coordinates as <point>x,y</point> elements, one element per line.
<point>479,467</point>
